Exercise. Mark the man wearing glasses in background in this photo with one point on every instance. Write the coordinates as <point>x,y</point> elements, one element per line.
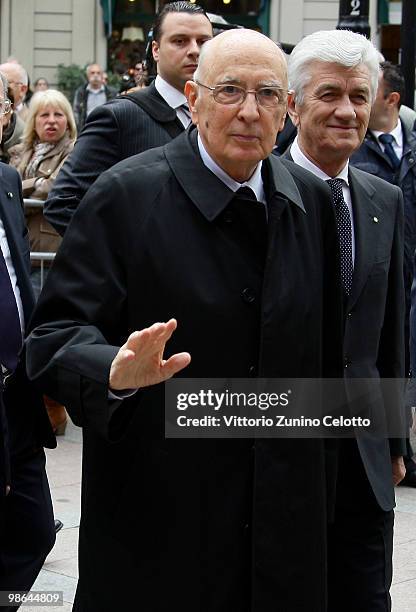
<point>18,81</point>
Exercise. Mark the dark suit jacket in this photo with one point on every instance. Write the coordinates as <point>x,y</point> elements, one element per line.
<point>374,315</point>
<point>370,158</point>
<point>22,410</point>
<point>123,127</point>
<point>244,522</point>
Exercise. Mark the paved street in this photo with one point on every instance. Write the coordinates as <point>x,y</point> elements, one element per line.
<point>60,569</point>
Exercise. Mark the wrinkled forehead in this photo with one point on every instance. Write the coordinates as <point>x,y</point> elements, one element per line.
<point>245,60</point>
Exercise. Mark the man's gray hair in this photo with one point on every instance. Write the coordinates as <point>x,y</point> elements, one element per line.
<point>24,79</point>
<point>333,46</point>
<point>5,85</point>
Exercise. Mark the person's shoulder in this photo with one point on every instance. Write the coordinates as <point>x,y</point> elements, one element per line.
<point>139,170</point>
<point>301,175</point>
<point>408,116</point>
<point>378,189</point>
<point>16,153</point>
<point>81,89</point>
<point>372,181</point>
<point>17,149</point>
<point>9,173</point>
<point>10,193</point>
<point>112,91</point>
<point>122,108</point>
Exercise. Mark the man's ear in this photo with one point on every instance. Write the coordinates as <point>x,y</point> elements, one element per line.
<point>393,98</point>
<point>292,109</point>
<point>191,93</point>
<point>155,50</point>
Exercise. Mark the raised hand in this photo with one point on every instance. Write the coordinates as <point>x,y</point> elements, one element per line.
<point>140,363</point>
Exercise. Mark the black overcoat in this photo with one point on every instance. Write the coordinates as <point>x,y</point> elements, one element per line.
<point>193,525</point>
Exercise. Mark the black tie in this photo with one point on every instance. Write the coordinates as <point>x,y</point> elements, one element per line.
<point>185,109</point>
<point>344,232</point>
<point>387,140</point>
<point>246,193</point>
<point>10,332</point>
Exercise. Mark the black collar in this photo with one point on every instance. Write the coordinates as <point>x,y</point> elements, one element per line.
<point>212,198</point>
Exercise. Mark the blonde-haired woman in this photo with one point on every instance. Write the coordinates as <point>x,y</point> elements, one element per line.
<point>48,138</point>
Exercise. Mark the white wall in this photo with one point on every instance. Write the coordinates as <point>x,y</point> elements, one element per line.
<point>291,20</point>
<point>44,33</point>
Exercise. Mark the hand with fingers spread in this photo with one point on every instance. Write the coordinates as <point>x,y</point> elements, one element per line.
<point>139,362</point>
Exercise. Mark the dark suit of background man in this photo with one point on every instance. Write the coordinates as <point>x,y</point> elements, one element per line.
<point>200,525</point>
<point>27,530</point>
<point>334,76</point>
<point>137,122</point>
<point>389,151</point>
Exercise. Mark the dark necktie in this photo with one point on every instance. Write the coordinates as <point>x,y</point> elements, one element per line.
<point>344,232</point>
<point>387,140</point>
<point>185,109</point>
<point>246,193</point>
<point>252,223</point>
<point>10,332</point>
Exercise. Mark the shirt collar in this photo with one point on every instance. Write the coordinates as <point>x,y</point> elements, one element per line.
<point>300,158</point>
<point>95,91</point>
<point>255,182</point>
<point>172,96</point>
<point>397,134</point>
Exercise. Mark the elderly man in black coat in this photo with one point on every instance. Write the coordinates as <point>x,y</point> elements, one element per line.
<point>253,283</point>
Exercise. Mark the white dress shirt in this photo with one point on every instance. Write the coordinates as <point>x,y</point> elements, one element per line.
<point>300,158</point>
<point>173,98</point>
<point>4,245</point>
<point>397,143</point>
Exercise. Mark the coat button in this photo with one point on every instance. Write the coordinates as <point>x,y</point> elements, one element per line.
<point>9,195</point>
<point>252,371</point>
<point>411,160</point>
<point>248,295</point>
<point>349,314</point>
<point>228,216</point>
<point>347,362</point>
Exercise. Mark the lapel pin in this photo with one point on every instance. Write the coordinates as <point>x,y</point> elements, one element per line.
<point>9,195</point>
<point>375,219</point>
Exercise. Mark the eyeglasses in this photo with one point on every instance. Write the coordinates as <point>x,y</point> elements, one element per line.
<point>5,107</point>
<point>269,97</point>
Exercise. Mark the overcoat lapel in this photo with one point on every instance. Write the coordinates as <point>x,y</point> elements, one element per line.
<point>8,202</point>
<point>182,154</point>
<point>368,217</point>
